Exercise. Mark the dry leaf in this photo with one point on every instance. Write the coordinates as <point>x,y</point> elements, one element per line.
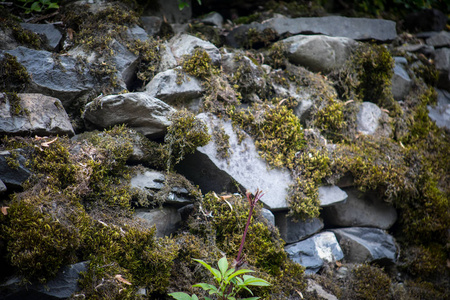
<point>48,143</point>
<point>119,278</point>
<point>4,210</point>
<point>338,264</point>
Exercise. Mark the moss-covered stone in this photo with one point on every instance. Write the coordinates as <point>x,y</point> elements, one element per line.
<point>13,76</point>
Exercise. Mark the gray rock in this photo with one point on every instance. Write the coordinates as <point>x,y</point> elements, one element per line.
<point>165,219</point>
<point>13,176</point>
<point>268,215</point>
<point>313,252</point>
<point>314,287</point>
<point>331,195</point>
<point>3,187</point>
<point>137,33</point>
<point>42,115</point>
<point>441,112</point>
<point>168,60</point>
<point>353,28</point>
<point>122,59</point>
<point>185,44</point>
<point>442,39</point>
<point>401,82</point>
<point>367,119</point>
<point>143,113</point>
<point>152,24</point>
<point>62,286</point>
<point>213,18</point>
<point>149,182</point>
<point>319,53</point>
<point>58,76</point>
<point>244,167</point>
<point>174,87</point>
<point>7,40</point>
<point>367,210</point>
<point>51,33</point>
<point>292,231</point>
<point>442,63</point>
<point>419,48</point>
<point>366,245</point>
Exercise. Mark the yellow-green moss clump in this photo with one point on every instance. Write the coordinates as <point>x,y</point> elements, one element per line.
<point>13,76</point>
<point>369,282</point>
<point>184,135</point>
<point>198,64</point>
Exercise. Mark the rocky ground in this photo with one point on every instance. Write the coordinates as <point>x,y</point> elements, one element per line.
<point>131,132</point>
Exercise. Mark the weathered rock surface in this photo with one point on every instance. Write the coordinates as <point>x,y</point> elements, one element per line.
<point>13,172</point>
<point>165,219</point>
<point>362,244</point>
<point>3,187</point>
<point>331,195</point>
<point>174,87</point>
<point>213,18</point>
<point>401,82</point>
<point>143,113</point>
<point>151,24</point>
<point>40,115</point>
<point>442,39</point>
<point>293,231</point>
<point>442,62</point>
<point>319,53</point>
<point>353,28</point>
<point>185,44</point>
<point>244,166</point>
<point>56,76</point>
<point>367,119</point>
<point>150,182</point>
<point>360,210</point>
<point>62,286</point>
<point>313,252</point>
<point>268,215</point>
<point>52,35</point>
<point>314,287</point>
<point>441,112</point>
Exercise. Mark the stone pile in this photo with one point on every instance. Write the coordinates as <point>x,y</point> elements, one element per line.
<point>353,226</point>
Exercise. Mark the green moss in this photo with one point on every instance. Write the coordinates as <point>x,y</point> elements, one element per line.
<point>221,141</point>
<point>253,38</point>
<point>184,135</point>
<point>330,119</point>
<point>148,53</point>
<point>278,133</point>
<point>13,76</point>
<point>198,64</point>
<point>277,57</point>
<point>371,283</point>
<point>11,24</point>
<point>427,71</point>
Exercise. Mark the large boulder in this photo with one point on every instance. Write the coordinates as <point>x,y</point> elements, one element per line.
<point>319,53</point>
<point>39,115</point>
<point>292,230</point>
<point>174,87</point>
<point>360,210</point>
<point>243,167</point>
<point>54,75</point>
<point>441,112</point>
<point>313,252</point>
<point>362,245</point>
<point>144,113</point>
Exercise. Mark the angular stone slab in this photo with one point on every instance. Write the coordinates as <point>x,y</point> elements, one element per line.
<point>331,195</point>
<point>42,115</point>
<point>244,167</point>
<point>362,244</point>
<point>62,286</point>
<point>151,181</point>
<point>13,177</point>
<point>401,82</point>
<point>145,114</point>
<point>185,44</point>
<point>313,252</point>
<point>319,53</point>
<point>360,210</point>
<point>56,76</point>
<point>166,219</point>
<point>441,112</point>
<point>50,32</point>
<point>3,187</point>
<point>442,39</point>
<point>167,87</point>
<point>293,231</point>
<point>442,63</point>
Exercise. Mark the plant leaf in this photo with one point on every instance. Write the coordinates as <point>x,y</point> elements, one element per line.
<point>214,271</point>
<point>250,280</point>
<point>251,298</point>
<point>182,296</point>
<point>206,286</point>
<point>223,265</point>
<point>239,272</point>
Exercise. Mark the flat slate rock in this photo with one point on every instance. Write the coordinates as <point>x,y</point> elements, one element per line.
<point>58,76</point>
<point>293,231</point>
<point>166,219</point>
<point>51,33</point>
<point>313,252</point>
<point>331,195</point>
<point>140,111</point>
<point>244,167</point>
<point>41,115</point>
<point>363,244</point>
<point>440,113</point>
<point>13,177</point>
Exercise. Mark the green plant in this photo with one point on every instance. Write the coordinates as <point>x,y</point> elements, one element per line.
<point>182,4</point>
<point>227,278</point>
<point>37,6</point>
